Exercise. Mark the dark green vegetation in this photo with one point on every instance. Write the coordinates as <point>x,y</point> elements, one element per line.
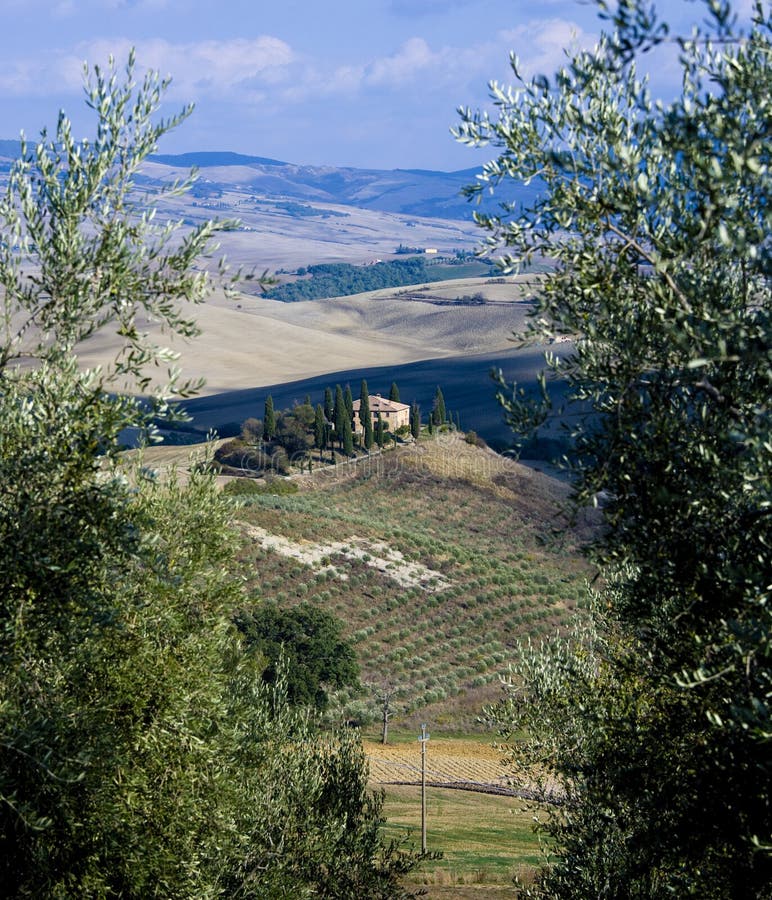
<point>656,717</point>
<point>473,520</point>
<point>284,442</point>
<point>445,269</point>
<point>439,414</point>
<point>466,385</point>
<point>141,753</point>
<point>301,210</point>
<point>340,279</point>
<point>365,418</point>
<point>304,647</point>
<point>274,445</point>
<point>343,279</point>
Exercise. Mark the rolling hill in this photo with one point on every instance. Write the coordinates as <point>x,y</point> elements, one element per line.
<point>438,558</point>
<point>410,192</point>
<point>413,192</point>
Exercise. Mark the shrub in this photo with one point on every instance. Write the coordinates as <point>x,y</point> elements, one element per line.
<point>244,487</point>
<point>474,439</point>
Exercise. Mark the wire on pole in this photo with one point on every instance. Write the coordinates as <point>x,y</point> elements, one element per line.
<point>423,738</point>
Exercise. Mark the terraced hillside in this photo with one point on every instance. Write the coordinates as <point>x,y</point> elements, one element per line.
<point>437,558</point>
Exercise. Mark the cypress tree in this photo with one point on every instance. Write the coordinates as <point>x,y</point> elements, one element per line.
<point>364,416</point>
<point>329,406</point>
<point>364,397</point>
<point>415,420</point>
<point>438,413</point>
<point>347,438</point>
<point>340,413</point>
<point>269,419</point>
<point>349,401</point>
<point>394,392</point>
<point>320,429</point>
<point>380,432</point>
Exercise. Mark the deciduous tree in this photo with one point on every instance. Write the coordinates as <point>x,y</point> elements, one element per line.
<point>307,644</point>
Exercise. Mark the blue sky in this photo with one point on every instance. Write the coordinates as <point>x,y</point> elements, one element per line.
<point>367,83</point>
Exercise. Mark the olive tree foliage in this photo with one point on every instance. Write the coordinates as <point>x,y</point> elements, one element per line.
<point>657,217</point>
<point>141,755</point>
<point>81,250</point>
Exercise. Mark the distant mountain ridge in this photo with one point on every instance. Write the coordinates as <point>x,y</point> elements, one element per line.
<point>412,192</point>
<point>203,159</point>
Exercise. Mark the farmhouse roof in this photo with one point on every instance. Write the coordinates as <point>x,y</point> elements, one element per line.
<point>382,405</point>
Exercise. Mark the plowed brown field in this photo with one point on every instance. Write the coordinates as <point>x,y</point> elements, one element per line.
<point>447,762</point>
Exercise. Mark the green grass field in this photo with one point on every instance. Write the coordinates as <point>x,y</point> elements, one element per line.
<point>486,840</point>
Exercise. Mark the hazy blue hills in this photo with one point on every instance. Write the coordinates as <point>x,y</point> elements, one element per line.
<point>411,192</point>
<point>208,158</point>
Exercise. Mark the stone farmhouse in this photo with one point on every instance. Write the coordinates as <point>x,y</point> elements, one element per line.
<point>393,414</point>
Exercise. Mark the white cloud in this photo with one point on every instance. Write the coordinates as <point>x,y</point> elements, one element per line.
<point>267,69</point>
<point>216,67</point>
<point>413,57</point>
<point>209,65</point>
<point>541,45</point>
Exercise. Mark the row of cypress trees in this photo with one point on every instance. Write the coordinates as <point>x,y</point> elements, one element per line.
<point>336,416</point>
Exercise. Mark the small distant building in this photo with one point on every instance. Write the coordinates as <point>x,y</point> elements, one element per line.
<point>431,250</point>
<point>393,414</point>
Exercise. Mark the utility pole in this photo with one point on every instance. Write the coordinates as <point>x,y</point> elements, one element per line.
<point>424,737</point>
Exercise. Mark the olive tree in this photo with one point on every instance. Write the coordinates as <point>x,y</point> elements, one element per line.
<point>81,250</point>
<point>657,219</point>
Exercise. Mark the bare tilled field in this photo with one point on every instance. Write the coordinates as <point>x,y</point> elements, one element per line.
<point>268,238</point>
<point>248,341</point>
<point>455,763</point>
